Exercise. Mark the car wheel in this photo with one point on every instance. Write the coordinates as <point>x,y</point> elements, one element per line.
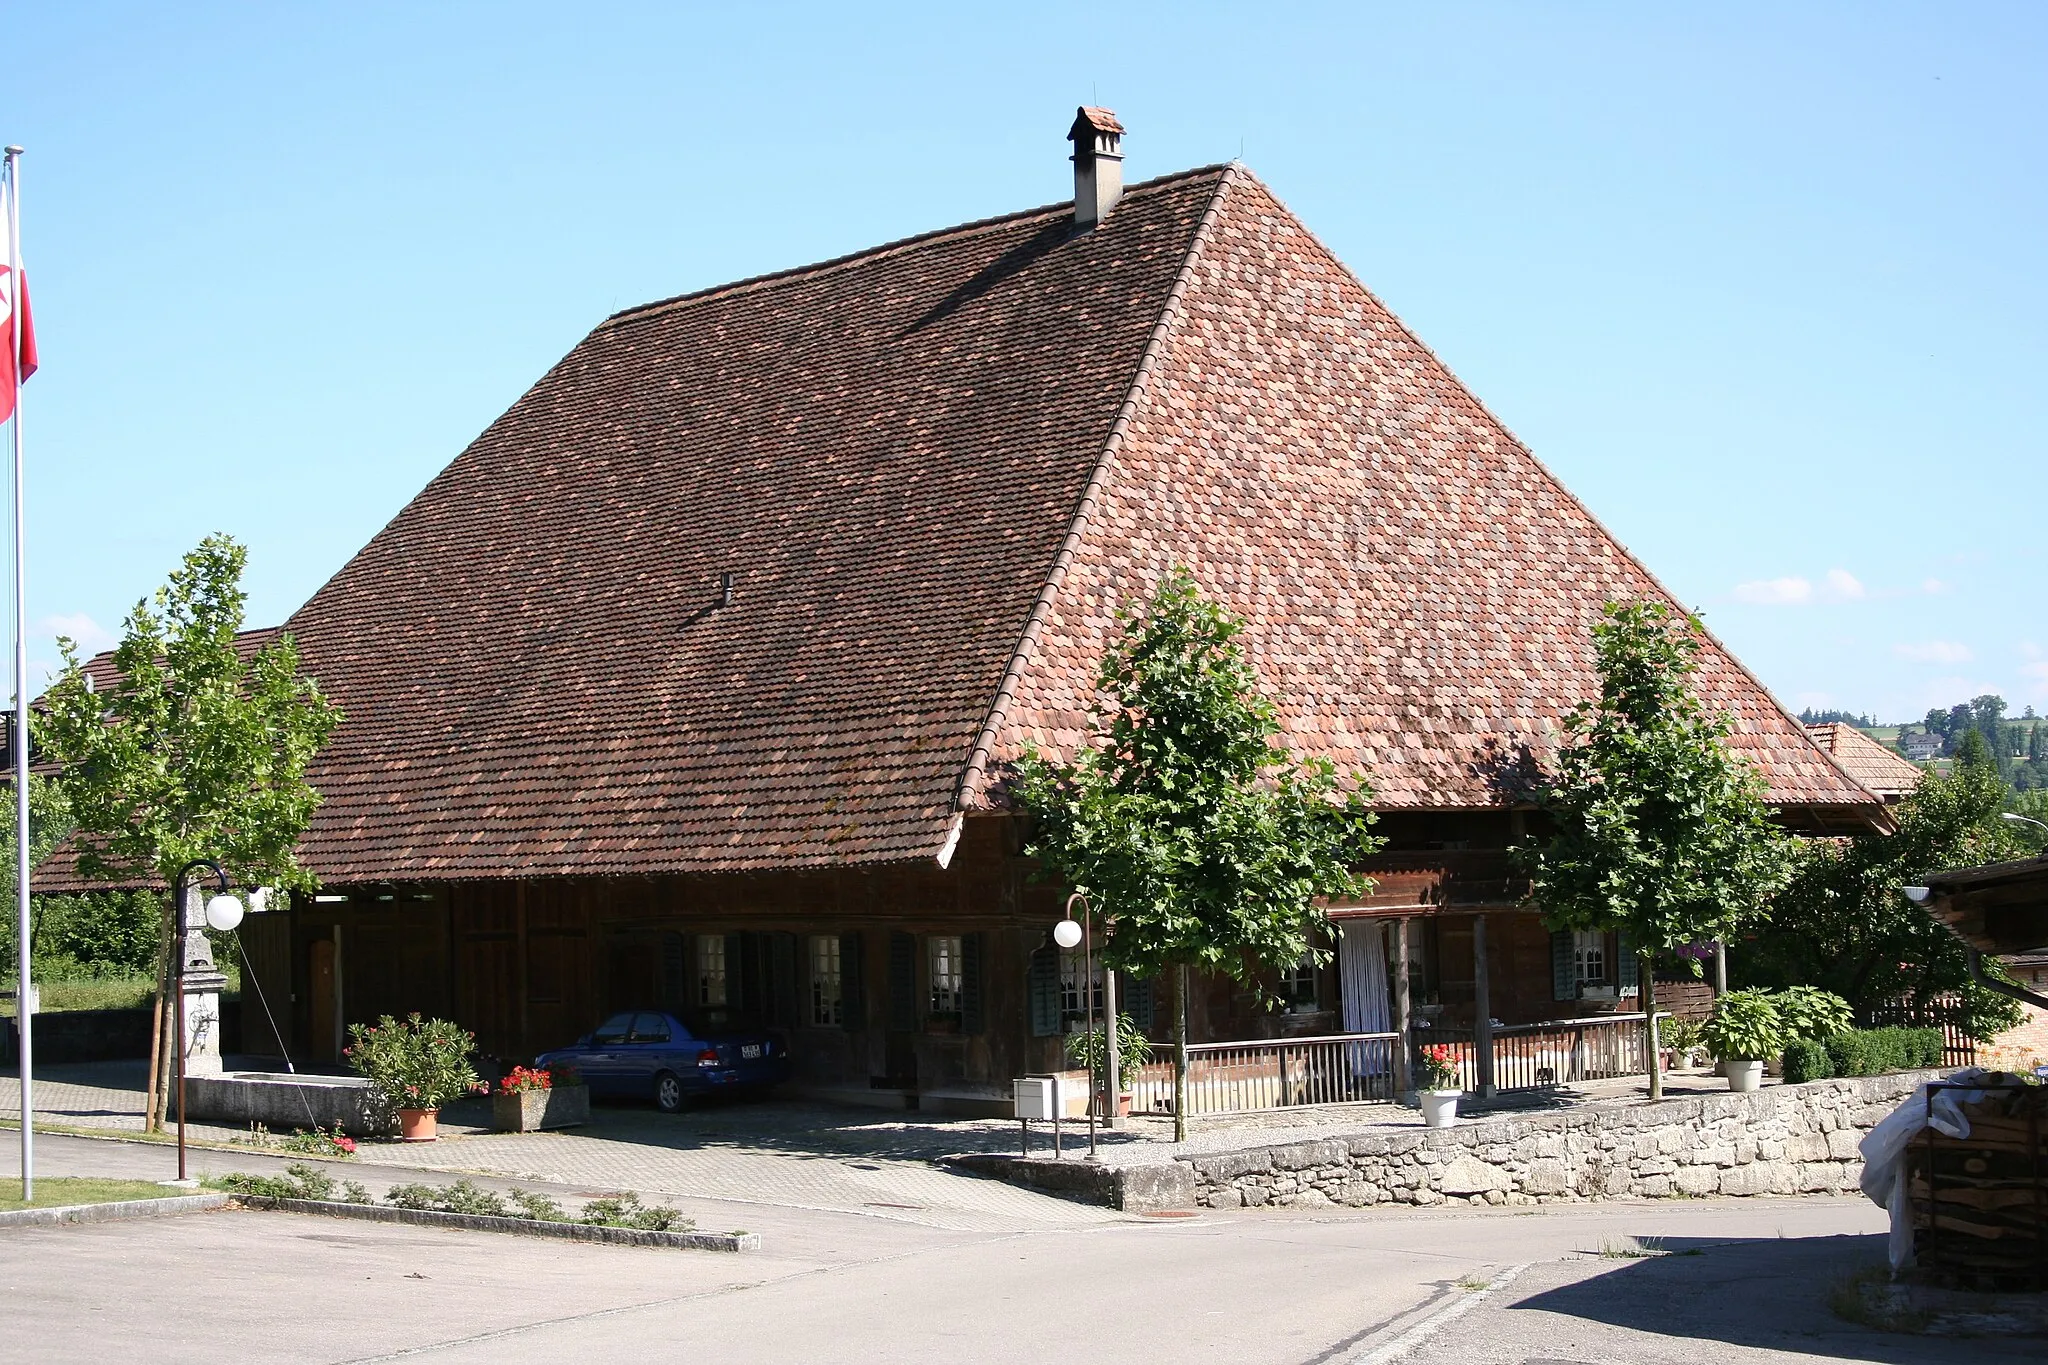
<point>668,1093</point>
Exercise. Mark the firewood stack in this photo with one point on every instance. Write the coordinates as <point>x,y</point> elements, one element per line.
<point>1980,1203</point>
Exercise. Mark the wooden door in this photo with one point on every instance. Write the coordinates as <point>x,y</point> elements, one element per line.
<point>320,1035</point>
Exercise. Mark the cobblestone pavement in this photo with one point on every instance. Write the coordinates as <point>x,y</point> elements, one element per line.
<point>786,1153</point>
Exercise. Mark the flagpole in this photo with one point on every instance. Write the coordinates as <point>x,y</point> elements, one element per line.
<point>25,991</point>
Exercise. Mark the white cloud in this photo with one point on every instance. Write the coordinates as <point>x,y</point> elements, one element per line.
<point>2030,650</point>
<point>2037,670</point>
<point>1935,652</point>
<point>1837,585</point>
<point>89,634</point>
<point>1933,587</point>
<point>1843,587</point>
<point>1775,592</point>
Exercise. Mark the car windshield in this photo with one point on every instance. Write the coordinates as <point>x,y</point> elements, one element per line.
<point>612,1030</point>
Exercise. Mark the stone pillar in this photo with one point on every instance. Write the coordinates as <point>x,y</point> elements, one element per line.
<point>203,984</point>
<point>1404,1079</point>
<point>1482,1013</point>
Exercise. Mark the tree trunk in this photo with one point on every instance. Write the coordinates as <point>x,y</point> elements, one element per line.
<point>162,1041</point>
<point>1647,974</point>
<point>1180,1056</point>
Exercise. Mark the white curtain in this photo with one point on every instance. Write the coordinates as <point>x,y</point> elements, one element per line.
<point>1362,977</point>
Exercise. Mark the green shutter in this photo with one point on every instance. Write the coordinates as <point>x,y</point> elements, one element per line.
<point>1625,970</point>
<point>853,982</point>
<point>1134,997</point>
<point>1564,967</point>
<point>1042,986</point>
<point>973,1009</point>
<point>902,983</point>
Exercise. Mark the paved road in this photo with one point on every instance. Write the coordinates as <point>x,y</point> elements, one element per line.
<point>1251,1286</point>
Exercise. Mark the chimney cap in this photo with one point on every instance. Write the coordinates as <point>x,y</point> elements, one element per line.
<point>1088,119</point>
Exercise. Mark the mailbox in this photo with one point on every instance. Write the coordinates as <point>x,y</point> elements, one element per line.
<point>1037,1097</point>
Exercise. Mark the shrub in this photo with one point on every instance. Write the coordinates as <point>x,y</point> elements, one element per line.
<point>538,1207</point>
<point>1437,1068</point>
<point>316,1141</point>
<point>626,1211</point>
<point>1745,1027</point>
<point>521,1079</point>
<point>299,1181</point>
<point>413,1063</point>
<point>1812,1013</point>
<point>1133,1050</point>
<point>1873,1052</point>
<point>1807,1060</point>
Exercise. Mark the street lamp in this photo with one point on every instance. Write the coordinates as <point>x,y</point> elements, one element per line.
<point>2022,819</point>
<point>1067,933</point>
<point>223,912</point>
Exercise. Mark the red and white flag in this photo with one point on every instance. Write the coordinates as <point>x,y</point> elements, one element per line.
<point>13,306</point>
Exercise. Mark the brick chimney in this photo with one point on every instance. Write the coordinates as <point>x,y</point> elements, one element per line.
<point>1098,165</point>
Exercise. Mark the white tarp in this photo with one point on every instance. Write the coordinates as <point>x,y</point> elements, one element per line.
<point>1884,1147</point>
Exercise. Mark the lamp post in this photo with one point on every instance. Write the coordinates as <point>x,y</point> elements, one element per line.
<point>2021,819</point>
<point>223,912</point>
<point>1067,933</point>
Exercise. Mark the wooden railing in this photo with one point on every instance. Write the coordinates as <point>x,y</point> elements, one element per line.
<point>1273,1073</point>
<point>1544,1056</point>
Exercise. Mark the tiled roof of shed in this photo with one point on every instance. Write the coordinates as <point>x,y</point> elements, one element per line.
<point>1883,772</point>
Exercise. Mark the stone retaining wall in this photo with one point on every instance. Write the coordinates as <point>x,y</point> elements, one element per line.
<point>1790,1139</point>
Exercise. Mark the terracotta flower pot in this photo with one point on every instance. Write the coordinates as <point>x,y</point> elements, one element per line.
<point>417,1125</point>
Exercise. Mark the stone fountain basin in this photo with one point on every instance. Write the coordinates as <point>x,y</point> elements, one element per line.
<point>282,1101</point>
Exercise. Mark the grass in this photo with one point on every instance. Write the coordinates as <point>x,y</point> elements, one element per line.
<point>1474,1283</point>
<point>104,993</point>
<point>1639,1249</point>
<point>67,1190</point>
<point>1868,1299</point>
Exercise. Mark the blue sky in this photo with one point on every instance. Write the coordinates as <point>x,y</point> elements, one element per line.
<point>1762,283</point>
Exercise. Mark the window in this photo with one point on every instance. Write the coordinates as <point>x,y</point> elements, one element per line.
<point>1074,1005</point>
<point>1298,983</point>
<point>943,970</point>
<point>711,969</point>
<point>1589,957</point>
<point>825,987</point>
<point>612,1031</point>
<point>649,1028</point>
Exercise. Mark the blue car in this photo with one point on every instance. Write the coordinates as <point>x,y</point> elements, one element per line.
<point>669,1058</point>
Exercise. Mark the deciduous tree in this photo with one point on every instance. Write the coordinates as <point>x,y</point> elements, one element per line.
<point>1660,831</point>
<point>1207,844</point>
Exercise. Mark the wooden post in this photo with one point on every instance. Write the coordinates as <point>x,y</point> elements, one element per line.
<point>1482,1012</point>
<point>1720,969</point>
<point>1112,1054</point>
<point>1646,973</point>
<point>1404,1080</point>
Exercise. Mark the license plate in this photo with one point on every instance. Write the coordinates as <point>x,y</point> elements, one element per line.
<point>750,1051</point>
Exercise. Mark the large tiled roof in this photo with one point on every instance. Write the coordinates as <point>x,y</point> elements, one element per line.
<point>887,453</point>
<point>1877,768</point>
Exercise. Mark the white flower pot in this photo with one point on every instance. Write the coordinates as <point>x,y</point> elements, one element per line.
<point>1743,1076</point>
<point>1439,1108</point>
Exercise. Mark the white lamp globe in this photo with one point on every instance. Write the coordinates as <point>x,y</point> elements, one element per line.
<point>1067,933</point>
<point>224,912</point>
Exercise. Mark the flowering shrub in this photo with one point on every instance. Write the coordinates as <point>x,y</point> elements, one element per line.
<point>524,1078</point>
<point>1438,1069</point>
<point>413,1063</point>
<point>564,1074</point>
<point>319,1142</point>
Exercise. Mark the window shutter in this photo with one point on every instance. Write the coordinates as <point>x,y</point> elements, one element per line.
<point>1564,967</point>
<point>973,1015</point>
<point>675,970</point>
<point>1135,999</point>
<point>782,996</point>
<point>853,983</point>
<point>1043,988</point>
<point>902,982</point>
<point>1625,970</point>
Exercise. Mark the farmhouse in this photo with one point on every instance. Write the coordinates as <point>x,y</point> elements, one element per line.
<point>695,678</point>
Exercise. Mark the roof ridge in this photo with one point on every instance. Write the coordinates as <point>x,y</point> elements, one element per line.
<point>973,227</point>
<point>974,773</point>
<point>1555,482</point>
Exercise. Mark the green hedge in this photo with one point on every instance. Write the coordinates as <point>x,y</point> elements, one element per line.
<point>1864,1052</point>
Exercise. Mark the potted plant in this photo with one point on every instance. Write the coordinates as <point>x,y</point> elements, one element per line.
<point>1438,1084</point>
<point>415,1066</point>
<point>1744,1030</point>
<point>1133,1052</point>
<point>531,1098</point>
